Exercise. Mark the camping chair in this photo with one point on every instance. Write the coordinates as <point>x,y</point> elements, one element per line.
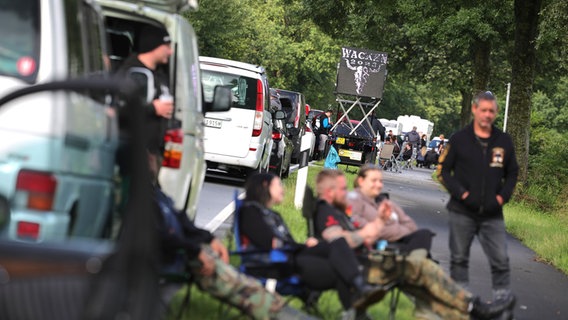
<point>269,267</point>
<point>406,164</point>
<point>309,212</point>
<point>388,159</point>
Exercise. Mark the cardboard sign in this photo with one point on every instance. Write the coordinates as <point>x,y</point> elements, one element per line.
<point>361,72</point>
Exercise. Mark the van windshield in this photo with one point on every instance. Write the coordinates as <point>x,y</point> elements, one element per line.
<point>244,88</point>
<point>19,39</point>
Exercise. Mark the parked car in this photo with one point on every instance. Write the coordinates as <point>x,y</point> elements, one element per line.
<point>238,140</point>
<point>57,148</point>
<point>293,103</point>
<point>357,148</point>
<point>282,147</point>
<point>434,143</point>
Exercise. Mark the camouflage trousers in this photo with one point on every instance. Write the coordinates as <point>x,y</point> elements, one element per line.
<point>241,291</point>
<point>435,294</point>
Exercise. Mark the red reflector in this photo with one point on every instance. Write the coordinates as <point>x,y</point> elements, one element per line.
<point>276,135</point>
<point>173,149</point>
<point>28,230</point>
<point>351,144</point>
<point>252,149</point>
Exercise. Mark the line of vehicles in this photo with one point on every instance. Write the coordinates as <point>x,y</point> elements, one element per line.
<point>57,152</point>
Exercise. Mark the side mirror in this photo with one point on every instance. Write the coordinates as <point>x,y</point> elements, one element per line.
<point>279,115</point>
<point>145,80</point>
<point>222,100</point>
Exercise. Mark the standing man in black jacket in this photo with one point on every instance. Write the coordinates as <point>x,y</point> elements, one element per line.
<point>479,169</point>
<point>154,51</point>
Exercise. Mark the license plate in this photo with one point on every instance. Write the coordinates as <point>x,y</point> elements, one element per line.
<point>352,155</point>
<point>212,123</point>
<point>340,140</point>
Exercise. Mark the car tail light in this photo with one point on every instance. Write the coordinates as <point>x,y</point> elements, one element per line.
<point>259,113</point>
<point>351,144</point>
<point>173,149</point>
<point>28,230</point>
<point>37,189</point>
<point>308,129</point>
<point>276,135</point>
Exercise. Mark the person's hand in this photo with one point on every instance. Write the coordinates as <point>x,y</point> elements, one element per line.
<point>311,242</point>
<point>207,264</point>
<point>218,247</point>
<point>499,199</point>
<point>465,195</point>
<point>385,210</point>
<point>163,108</point>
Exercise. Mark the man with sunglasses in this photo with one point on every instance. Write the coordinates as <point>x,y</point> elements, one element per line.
<point>479,169</point>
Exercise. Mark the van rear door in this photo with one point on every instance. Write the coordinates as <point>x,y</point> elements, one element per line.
<point>229,133</point>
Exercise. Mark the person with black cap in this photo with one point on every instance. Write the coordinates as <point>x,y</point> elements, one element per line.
<point>154,50</point>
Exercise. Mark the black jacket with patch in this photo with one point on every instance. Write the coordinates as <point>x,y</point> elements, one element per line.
<point>466,165</point>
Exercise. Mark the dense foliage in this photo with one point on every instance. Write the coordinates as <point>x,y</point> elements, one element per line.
<point>439,54</point>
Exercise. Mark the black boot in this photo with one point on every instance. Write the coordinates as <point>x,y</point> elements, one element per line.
<point>365,293</point>
<point>483,310</point>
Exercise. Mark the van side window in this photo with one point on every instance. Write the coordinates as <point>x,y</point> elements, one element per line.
<point>84,39</point>
<point>74,44</point>
<point>20,50</point>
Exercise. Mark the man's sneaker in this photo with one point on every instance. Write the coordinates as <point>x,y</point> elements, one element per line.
<point>483,310</point>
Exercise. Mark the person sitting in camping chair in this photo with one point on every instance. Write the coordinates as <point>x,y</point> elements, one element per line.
<point>434,291</point>
<point>321,265</point>
<point>207,260</point>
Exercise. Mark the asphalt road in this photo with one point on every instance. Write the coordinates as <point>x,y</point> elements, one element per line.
<point>542,291</point>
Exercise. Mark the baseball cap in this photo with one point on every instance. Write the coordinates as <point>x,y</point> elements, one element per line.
<point>151,38</point>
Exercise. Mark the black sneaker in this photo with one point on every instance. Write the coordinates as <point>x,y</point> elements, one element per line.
<point>483,310</point>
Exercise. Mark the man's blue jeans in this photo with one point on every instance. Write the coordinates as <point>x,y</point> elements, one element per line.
<point>492,237</point>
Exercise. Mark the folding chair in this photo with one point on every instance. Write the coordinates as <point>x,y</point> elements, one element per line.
<point>387,159</point>
<point>270,267</point>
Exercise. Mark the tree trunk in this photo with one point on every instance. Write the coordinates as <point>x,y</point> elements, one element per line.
<point>523,64</point>
<point>465,115</point>
<point>481,74</point>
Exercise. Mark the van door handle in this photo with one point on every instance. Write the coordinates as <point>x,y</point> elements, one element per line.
<point>219,118</point>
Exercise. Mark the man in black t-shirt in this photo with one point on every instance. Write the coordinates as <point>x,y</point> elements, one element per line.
<point>154,50</point>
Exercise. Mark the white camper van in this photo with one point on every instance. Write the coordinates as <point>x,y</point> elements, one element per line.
<point>56,149</point>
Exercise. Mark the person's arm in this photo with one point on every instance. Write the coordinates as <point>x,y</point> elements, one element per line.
<point>446,164</point>
<point>332,229</point>
<point>511,173</point>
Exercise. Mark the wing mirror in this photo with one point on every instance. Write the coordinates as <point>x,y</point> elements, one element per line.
<point>279,115</point>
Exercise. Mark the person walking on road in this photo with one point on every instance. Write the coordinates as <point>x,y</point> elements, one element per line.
<point>479,169</point>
